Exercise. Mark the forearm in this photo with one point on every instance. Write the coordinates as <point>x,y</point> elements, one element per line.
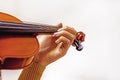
<point>33,72</point>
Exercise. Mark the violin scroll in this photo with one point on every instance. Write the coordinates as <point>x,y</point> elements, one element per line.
<point>80,37</point>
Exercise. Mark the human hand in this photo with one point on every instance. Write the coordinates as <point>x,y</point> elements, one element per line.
<point>54,46</point>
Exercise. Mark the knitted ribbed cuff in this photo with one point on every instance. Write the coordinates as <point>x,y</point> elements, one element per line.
<point>33,72</point>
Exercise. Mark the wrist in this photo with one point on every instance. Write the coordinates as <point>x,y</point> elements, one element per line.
<point>41,61</point>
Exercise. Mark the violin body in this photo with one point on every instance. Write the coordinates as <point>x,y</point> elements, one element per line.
<point>16,51</point>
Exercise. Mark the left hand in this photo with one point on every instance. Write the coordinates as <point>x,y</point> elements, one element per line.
<point>54,46</point>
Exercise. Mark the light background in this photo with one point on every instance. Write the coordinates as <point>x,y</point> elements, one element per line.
<point>99,19</point>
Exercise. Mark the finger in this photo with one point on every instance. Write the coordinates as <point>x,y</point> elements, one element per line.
<point>66,34</point>
<point>69,29</point>
<point>64,40</point>
<point>63,45</point>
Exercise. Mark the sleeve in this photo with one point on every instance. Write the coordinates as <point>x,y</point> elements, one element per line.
<point>33,72</point>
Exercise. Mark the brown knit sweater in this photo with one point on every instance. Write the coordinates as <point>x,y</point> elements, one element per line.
<point>33,72</point>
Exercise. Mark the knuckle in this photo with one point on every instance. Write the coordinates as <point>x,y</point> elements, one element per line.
<point>73,37</point>
<point>68,41</point>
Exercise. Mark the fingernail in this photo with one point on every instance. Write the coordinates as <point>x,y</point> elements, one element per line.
<point>56,41</point>
<point>60,29</point>
<point>55,34</point>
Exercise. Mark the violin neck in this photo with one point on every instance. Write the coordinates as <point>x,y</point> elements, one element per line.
<point>13,27</point>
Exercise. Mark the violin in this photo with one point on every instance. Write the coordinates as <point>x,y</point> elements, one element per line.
<point>18,42</point>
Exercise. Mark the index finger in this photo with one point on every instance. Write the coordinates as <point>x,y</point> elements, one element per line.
<point>69,29</point>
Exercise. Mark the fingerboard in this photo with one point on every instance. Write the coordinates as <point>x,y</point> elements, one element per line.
<point>13,27</point>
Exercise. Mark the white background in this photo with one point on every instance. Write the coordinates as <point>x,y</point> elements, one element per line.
<point>99,19</point>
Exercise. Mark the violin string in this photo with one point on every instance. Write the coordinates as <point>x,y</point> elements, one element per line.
<point>24,27</point>
<point>7,23</point>
<point>20,29</point>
